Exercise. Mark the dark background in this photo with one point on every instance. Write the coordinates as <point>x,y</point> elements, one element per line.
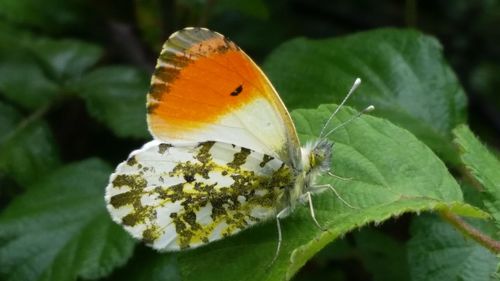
<point>131,33</point>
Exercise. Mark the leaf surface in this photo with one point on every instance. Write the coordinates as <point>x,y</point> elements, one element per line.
<point>117,97</point>
<point>437,251</point>
<point>60,229</point>
<point>27,147</point>
<point>391,173</point>
<point>404,75</point>
<point>484,167</point>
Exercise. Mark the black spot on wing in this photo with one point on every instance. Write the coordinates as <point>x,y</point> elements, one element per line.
<point>166,74</point>
<point>189,178</point>
<point>237,91</point>
<point>204,155</point>
<point>239,158</point>
<point>157,90</point>
<point>163,147</point>
<point>151,107</point>
<point>265,159</point>
<point>132,161</point>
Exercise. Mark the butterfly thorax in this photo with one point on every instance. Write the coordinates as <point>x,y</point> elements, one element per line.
<point>316,160</point>
<point>319,157</point>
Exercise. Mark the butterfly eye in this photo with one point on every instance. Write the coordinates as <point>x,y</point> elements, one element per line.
<point>312,160</point>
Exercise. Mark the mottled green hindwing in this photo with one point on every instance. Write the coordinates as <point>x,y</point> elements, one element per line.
<point>182,196</point>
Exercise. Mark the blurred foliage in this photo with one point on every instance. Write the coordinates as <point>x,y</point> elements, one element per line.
<point>436,251</point>
<point>73,78</point>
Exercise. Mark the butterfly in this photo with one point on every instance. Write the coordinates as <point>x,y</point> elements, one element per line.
<point>225,154</point>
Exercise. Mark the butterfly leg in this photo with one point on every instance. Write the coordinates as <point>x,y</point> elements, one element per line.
<point>322,186</point>
<point>311,209</point>
<point>283,213</point>
<point>338,177</point>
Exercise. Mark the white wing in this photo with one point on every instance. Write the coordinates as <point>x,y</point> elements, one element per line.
<point>183,196</point>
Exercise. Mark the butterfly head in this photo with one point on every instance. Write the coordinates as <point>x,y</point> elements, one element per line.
<point>317,156</point>
<point>321,155</point>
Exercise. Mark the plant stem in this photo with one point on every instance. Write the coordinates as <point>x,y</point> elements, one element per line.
<point>470,179</point>
<point>471,231</point>
<point>36,115</point>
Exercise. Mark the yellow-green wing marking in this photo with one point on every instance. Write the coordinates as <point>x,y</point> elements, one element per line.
<point>183,196</point>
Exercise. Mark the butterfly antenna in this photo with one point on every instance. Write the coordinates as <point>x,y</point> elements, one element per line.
<point>366,110</point>
<point>355,85</point>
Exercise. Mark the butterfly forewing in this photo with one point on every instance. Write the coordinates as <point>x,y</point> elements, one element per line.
<point>206,88</point>
<point>183,196</point>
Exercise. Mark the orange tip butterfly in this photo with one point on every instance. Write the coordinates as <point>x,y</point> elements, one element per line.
<point>225,154</point>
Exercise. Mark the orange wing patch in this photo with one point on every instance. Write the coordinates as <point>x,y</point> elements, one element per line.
<point>197,82</point>
<point>206,88</point>
<point>203,89</point>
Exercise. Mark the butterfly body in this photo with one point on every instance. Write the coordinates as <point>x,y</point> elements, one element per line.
<point>225,157</point>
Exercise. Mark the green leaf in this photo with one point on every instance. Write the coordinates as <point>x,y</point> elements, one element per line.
<point>327,264</point>
<point>391,173</point>
<point>404,75</point>
<point>60,229</point>
<point>53,15</point>
<point>34,69</point>
<point>437,251</point>
<point>23,80</point>
<point>117,97</point>
<point>483,166</point>
<point>27,147</point>
<point>66,58</point>
<point>382,254</point>
<point>163,267</point>
<point>496,275</point>
<point>147,264</point>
